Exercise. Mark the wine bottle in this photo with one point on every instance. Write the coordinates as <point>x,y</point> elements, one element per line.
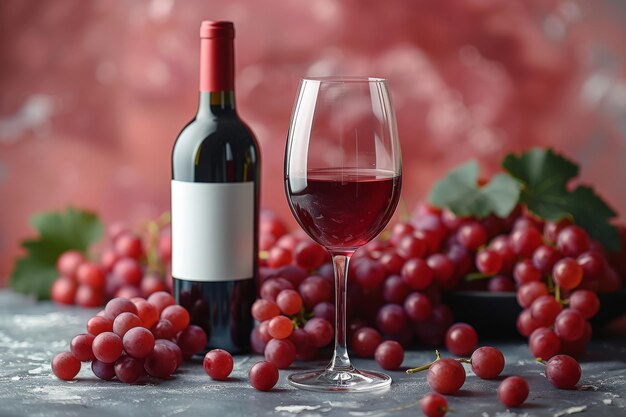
<point>215,203</point>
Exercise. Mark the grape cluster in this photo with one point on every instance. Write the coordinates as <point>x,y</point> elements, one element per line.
<point>397,282</point>
<point>132,338</point>
<point>131,266</point>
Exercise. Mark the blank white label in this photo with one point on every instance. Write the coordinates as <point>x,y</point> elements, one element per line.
<point>212,231</point>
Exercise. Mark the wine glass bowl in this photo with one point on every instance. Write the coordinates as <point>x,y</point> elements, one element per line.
<point>343,174</point>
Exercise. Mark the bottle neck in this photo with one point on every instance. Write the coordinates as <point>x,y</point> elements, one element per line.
<point>217,76</point>
<point>214,103</point>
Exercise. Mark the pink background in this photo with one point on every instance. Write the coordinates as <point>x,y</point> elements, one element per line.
<point>93,93</point>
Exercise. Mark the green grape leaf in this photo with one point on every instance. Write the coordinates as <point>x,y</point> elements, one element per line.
<point>545,175</point>
<point>34,272</point>
<point>459,191</point>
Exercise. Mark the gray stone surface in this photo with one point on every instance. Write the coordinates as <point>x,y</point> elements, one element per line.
<point>31,333</point>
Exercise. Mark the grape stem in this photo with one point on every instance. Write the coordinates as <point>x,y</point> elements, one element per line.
<point>541,361</point>
<point>424,367</point>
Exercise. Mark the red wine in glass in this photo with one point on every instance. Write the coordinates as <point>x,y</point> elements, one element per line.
<point>343,208</point>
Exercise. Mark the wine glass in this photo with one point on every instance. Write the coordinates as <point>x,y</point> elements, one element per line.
<point>343,174</point>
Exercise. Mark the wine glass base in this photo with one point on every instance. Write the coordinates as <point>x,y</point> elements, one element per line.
<point>340,381</point>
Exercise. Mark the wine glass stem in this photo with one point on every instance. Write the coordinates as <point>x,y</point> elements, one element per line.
<point>341,360</point>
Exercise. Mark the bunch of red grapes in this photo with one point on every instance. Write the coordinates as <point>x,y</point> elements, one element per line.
<point>131,266</point>
<point>397,283</point>
<point>132,338</point>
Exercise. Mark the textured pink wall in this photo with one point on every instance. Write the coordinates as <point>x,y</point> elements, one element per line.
<point>93,93</point>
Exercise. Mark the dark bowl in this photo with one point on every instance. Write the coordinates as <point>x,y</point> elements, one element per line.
<point>495,314</point>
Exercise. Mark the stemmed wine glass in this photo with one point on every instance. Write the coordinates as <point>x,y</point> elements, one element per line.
<point>343,174</point>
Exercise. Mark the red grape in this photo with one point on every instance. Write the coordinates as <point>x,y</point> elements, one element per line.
<point>117,306</point>
<point>320,330</point>
<point>107,347</point>
<point>544,258</point>
<point>138,342</point>
<point>97,325</point>
<point>65,366</point>
<point>124,322</point>
<point>472,235</point>
<point>544,343</point>
<point>487,362</point>
<point>418,307</point>
<point>567,274</point>
<point>87,296</point>
<point>572,241</point>
<point>443,270</point>
<point>525,272</point>
<point>529,292</point>
<point>544,309</point>
<point>395,290</point>
<point>63,291</point>
<point>392,262</point>
<point>280,327</point>
<point>309,255</point>
<point>289,302</point>
<point>161,300</point>
<point>147,312</point>
<point>434,405</point>
<point>151,283</point>
<point>68,263</point>
<point>163,329</point>
<point>89,273</point>
<point>81,347</point>
<point>569,325</point>
<point>315,290</point>
<point>446,376</point>
<point>192,340</point>
<point>278,257</point>
<point>389,355</point>
<point>489,262</point>
<point>461,339</point>
<point>263,376</point>
<point>128,271</point>
<point>501,245</point>
<point>281,353</point>
<point>271,287</point>
<point>369,275</point>
<point>304,343</point>
<point>585,302</point>
<point>264,309</point>
<point>296,275</point>
<point>103,370</point>
<point>417,274</point>
<point>411,247</point>
<point>177,315</point>
<point>526,324</point>
<point>513,391</point>
<point>128,245</point>
<point>524,241</point>
<point>324,310</point>
<point>174,347</point>
<point>218,364</point>
<point>129,369</point>
<point>563,371</point>
<point>365,341</point>
<point>162,362</point>
<point>391,319</point>
<point>593,264</point>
